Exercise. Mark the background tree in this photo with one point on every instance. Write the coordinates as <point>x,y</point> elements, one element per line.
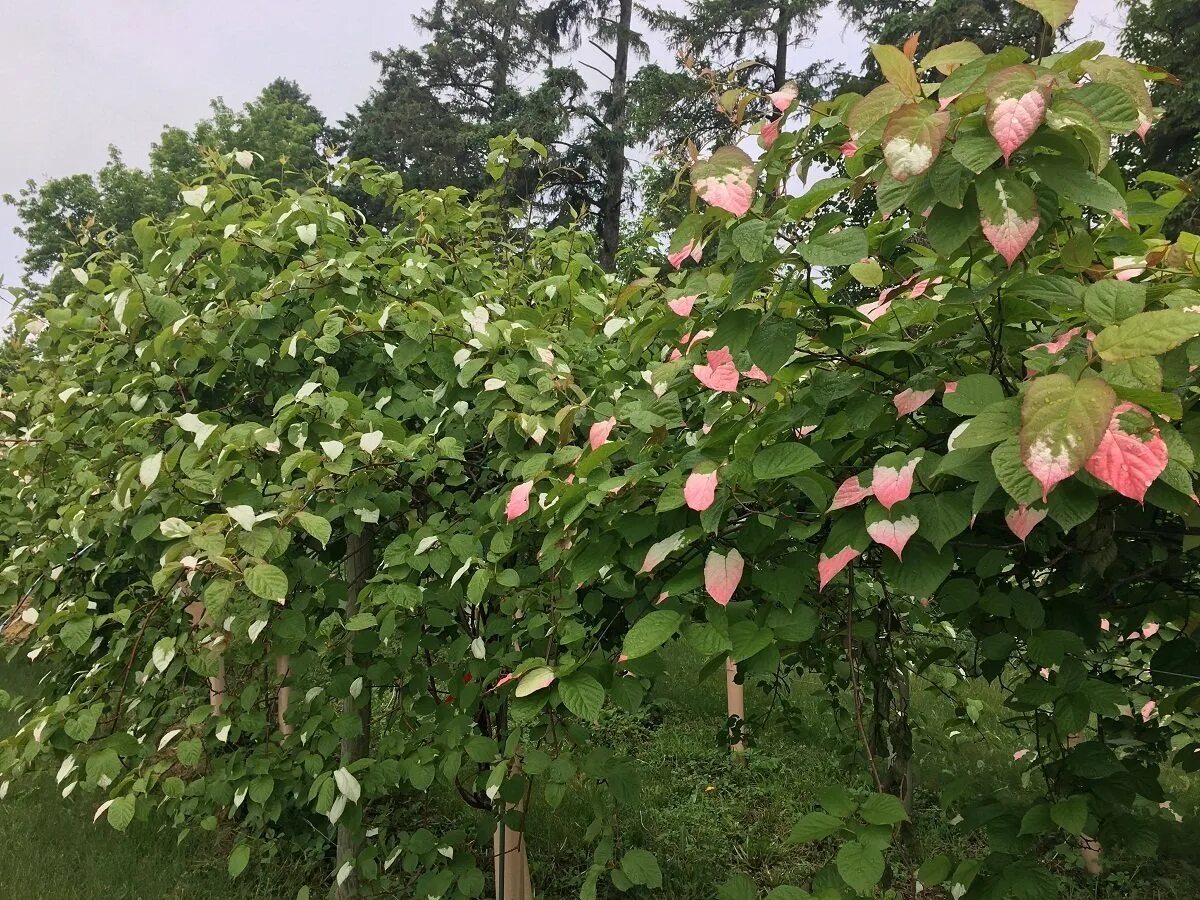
<point>86,213</point>
<point>435,109</point>
<point>1165,34</point>
<point>990,24</point>
<point>597,156</point>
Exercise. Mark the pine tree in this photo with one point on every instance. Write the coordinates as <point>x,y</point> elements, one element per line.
<point>598,156</point>
<point>434,109</point>
<point>991,24</point>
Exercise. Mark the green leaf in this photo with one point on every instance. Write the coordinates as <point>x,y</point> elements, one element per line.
<point>1147,334</point>
<point>867,273</point>
<point>266,581</point>
<point>973,394</point>
<point>815,826</point>
<point>1076,183</point>
<point>934,870</point>
<point>737,887</point>
<point>866,118</point>
<point>782,460</point>
<point>750,239</point>
<point>361,622</point>
<point>650,632</point>
<point>641,868</point>
<point>75,633</point>
<point>788,892</point>
<point>883,809</point>
<point>1110,301</point>
<point>317,526</point>
<point>583,695</point>
<point>897,69</point>
<point>1112,106</point>
<point>238,860</point>
<point>836,248</point>
<point>948,228</point>
<point>860,866</point>
<point>948,57</point>
<point>1056,12</point>
<point>533,681</point>
<point>978,151</point>
<point>922,570</point>
<point>120,813</point>
<point>1062,422</point>
<point>1010,470</point>
<point>1070,814</point>
<point>773,343</point>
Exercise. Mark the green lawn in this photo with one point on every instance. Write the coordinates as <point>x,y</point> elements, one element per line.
<point>704,818</point>
<point>50,850</point>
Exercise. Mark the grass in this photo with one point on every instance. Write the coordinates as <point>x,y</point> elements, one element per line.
<point>50,850</point>
<point>704,818</point>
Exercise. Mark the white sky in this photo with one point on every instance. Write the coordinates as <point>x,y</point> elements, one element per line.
<point>78,76</point>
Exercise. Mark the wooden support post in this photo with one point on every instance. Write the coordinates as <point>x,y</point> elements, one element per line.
<point>360,565</point>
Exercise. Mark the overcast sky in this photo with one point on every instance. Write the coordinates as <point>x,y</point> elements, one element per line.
<point>76,77</point>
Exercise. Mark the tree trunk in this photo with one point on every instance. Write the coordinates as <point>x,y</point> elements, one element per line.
<point>360,565</point>
<point>735,695</point>
<point>783,27</point>
<point>614,176</point>
<point>891,727</point>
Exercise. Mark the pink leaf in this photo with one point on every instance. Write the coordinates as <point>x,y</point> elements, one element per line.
<point>502,681</point>
<point>1008,212</point>
<point>1144,123</point>
<point>1010,236</point>
<point>1057,345</point>
<point>677,258</point>
<point>829,566</point>
<point>893,485</point>
<point>769,133</point>
<point>909,401</point>
<point>850,493</point>
<point>1105,625</point>
<point>1022,520</point>
<point>875,309</point>
<point>722,575</point>
<point>1129,463</point>
<point>682,306</point>
<point>1149,630</point>
<point>783,98</point>
<point>848,149</point>
<point>1013,120</point>
<point>599,432</point>
<point>1127,268</point>
<point>951,387</point>
<point>661,550</point>
<point>518,500</point>
<point>726,180</point>
<point>1019,754</point>
<point>893,534</point>
<point>720,374</point>
<point>1148,710</point>
<point>699,490</point>
<point>757,374</point>
<point>1121,216</point>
